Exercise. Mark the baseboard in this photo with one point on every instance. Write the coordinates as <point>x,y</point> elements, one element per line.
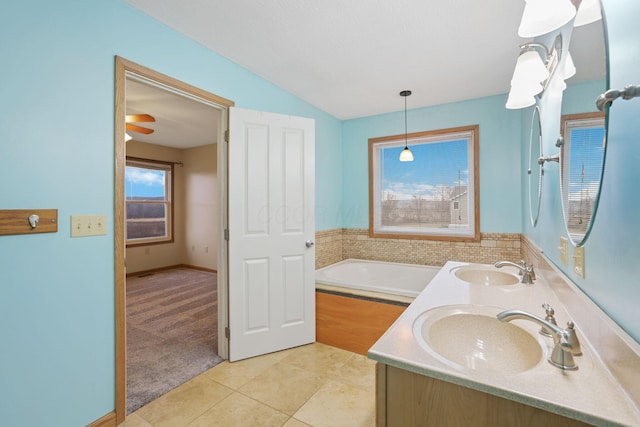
<point>195,267</point>
<point>108,420</point>
<point>170,267</point>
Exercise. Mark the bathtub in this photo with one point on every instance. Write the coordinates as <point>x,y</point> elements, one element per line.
<point>357,300</point>
<point>389,278</point>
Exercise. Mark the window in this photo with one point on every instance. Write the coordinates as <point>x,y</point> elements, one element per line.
<point>582,163</point>
<point>148,195</point>
<point>436,196</point>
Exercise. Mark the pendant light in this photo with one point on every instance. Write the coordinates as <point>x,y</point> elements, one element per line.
<point>406,155</point>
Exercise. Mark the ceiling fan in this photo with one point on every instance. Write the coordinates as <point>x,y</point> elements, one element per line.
<point>137,118</point>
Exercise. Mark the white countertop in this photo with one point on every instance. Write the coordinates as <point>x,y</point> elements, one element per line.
<point>590,393</point>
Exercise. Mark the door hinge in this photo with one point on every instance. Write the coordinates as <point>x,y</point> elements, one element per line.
<point>226,135</point>
<point>227,333</point>
<point>226,234</point>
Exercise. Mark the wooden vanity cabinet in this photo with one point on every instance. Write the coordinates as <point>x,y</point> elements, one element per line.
<point>406,399</point>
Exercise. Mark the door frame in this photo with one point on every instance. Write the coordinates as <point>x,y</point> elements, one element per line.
<point>124,67</point>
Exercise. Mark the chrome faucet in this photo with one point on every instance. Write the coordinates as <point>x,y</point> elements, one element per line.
<point>565,340</point>
<point>527,273</point>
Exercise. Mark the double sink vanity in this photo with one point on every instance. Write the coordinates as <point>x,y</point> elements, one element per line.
<point>448,360</point>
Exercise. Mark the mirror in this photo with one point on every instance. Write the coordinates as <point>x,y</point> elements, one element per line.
<point>583,130</point>
<point>536,170</point>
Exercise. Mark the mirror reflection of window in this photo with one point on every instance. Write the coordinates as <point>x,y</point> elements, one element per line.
<point>584,133</point>
<point>582,163</point>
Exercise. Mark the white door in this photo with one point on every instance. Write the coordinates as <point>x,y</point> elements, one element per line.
<point>271,232</point>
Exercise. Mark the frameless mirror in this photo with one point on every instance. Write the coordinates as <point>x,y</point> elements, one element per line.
<point>583,131</point>
<point>535,170</point>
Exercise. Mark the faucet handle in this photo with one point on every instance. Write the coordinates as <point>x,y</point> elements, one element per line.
<point>549,318</point>
<point>523,264</point>
<point>572,339</point>
<point>532,272</point>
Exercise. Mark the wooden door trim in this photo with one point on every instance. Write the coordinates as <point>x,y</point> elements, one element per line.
<point>122,67</point>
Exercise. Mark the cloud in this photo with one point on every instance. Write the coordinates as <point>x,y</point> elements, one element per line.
<point>144,177</point>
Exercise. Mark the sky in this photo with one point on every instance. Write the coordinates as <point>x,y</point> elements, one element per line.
<point>141,182</point>
<point>435,165</point>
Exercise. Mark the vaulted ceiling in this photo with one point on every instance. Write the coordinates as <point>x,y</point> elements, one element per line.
<point>352,58</point>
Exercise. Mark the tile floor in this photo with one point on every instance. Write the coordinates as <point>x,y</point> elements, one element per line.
<point>313,385</point>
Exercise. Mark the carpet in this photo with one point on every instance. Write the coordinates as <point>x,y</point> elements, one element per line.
<point>171,331</point>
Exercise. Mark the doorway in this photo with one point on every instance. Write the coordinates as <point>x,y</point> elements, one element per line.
<point>146,257</point>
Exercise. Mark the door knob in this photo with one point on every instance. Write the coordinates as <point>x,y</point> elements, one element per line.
<point>309,243</point>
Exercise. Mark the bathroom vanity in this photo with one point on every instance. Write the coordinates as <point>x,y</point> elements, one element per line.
<point>449,361</point>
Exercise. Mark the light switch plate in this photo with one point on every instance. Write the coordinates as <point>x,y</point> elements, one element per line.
<point>578,261</point>
<point>564,250</point>
<point>88,225</point>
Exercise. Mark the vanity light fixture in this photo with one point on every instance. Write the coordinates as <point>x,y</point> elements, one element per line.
<point>532,73</point>
<point>569,67</point>
<point>406,155</point>
<point>588,12</point>
<point>543,16</point>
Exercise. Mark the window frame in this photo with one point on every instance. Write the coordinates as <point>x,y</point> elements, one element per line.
<point>431,136</point>
<point>168,167</point>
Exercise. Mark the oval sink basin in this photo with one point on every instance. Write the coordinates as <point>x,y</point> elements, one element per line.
<point>471,337</point>
<point>488,276</point>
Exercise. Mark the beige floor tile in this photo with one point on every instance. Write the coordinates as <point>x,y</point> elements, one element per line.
<point>318,358</point>
<point>241,411</point>
<point>337,404</point>
<point>284,353</point>
<point>236,374</point>
<point>184,404</point>
<point>134,420</point>
<point>284,387</point>
<point>359,371</point>
<point>295,423</point>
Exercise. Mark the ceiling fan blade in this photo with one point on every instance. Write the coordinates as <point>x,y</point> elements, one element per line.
<point>139,129</point>
<point>139,118</point>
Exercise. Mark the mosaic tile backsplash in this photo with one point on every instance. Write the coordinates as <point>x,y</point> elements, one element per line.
<point>338,244</point>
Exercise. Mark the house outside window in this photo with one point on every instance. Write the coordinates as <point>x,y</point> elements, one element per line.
<point>148,200</point>
<point>436,196</point>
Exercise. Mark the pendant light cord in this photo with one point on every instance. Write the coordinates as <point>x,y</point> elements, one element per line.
<point>404,94</point>
<point>405,122</point>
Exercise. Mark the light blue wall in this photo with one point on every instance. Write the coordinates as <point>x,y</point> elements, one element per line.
<point>57,151</point>
<point>500,172</point>
<point>56,143</point>
<point>613,250</point>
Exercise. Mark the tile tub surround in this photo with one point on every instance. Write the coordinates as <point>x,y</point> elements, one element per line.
<point>328,247</point>
<point>338,244</point>
<point>590,394</point>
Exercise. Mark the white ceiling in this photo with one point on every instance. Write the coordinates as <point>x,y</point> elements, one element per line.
<point>181,122</point>
<point>352,58</point>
